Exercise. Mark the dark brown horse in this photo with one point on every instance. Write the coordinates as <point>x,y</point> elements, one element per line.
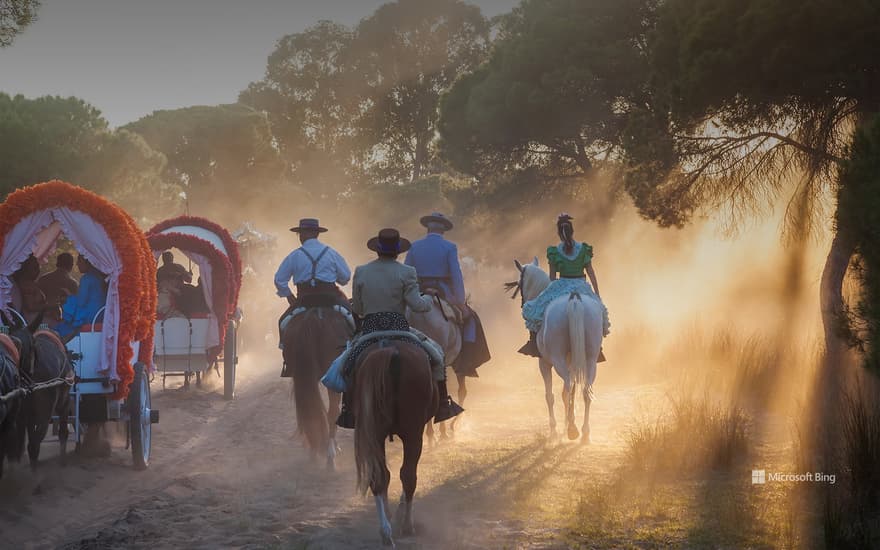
<point>312,340</point>
<point>51,363</point>
<point>43,360</point>
<point>10,409</point>
<point>394,394</point>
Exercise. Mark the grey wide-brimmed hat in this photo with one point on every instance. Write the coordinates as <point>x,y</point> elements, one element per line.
<point>437,217</point>
<point>308,224</point>
<point>388,241</point>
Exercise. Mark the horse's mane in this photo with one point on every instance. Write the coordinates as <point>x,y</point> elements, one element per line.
<point>534,281</point>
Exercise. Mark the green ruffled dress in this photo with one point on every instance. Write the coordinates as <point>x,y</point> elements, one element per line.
<point>571,270</point>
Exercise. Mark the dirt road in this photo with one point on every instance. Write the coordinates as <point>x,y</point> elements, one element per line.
<point>233,475</point>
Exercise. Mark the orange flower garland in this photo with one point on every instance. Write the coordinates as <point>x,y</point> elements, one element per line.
<point>137,282</point>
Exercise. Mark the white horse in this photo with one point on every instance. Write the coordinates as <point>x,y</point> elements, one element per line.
<point>443,330</point>
<point>569,341</point>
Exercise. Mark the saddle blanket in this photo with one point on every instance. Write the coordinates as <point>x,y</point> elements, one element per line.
<point>349,318</point>
<point>334,379</point>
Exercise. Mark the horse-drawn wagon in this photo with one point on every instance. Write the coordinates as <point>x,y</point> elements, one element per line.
<point>192,339</point>
<point>105,361</point>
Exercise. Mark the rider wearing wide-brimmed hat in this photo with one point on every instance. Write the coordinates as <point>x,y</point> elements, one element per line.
<point>381,292</point>
<point>569,261</point>
<point>315,268</point>
<point>436,261</point>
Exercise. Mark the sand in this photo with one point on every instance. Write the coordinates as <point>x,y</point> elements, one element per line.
<point>234,474</point>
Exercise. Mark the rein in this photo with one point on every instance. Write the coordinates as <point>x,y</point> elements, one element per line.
<point>440,305</point>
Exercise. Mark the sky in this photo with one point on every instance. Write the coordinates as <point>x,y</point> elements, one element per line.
<point>129,58</point>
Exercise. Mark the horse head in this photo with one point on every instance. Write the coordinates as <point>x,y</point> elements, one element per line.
<point>23,337</point>
<point>532,280</point>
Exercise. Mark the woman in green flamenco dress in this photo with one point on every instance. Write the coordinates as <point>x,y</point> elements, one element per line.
<point>569,262</point>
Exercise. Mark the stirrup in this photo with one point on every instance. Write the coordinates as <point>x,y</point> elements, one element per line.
<point>530,348</point>
<point>447,410</point>
<point>345,420</point>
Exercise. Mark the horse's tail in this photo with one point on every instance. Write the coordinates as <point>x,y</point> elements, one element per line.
<point>577,338</point>
<point>374,414</point>
<point>301,349</point>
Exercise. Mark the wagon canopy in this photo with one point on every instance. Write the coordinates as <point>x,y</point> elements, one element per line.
<point>213,249</point>
<point>31,221</point>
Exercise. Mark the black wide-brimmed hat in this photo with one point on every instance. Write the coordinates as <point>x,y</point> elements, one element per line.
<point>308,224</point>
<point>437,217</point>
<point>388,241</point>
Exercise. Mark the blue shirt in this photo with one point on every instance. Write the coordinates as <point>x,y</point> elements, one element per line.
<point>81,308</point>
<point>331,267</point>
<point>434,256</point>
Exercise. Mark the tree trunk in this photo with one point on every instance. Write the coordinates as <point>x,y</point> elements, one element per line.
<point>831,292</point>
<point>421,154</point>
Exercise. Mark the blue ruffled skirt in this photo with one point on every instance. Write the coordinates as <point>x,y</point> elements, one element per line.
<point>533,310</point>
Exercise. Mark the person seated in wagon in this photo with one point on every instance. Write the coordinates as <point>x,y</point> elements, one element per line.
<point>27,298</point>
<point>80,309</point>
<point>58,285</point>
<point>569,260</point>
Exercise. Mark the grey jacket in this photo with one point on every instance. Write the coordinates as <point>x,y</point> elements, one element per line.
<point>386,285</point>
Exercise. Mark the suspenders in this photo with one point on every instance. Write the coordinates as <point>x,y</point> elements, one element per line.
<point>314,262</point>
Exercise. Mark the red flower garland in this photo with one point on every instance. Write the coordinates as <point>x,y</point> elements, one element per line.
<point>137,282</point>
<point>221,271</point>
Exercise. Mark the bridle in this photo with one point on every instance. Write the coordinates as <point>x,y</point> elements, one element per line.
<point>517,287</point>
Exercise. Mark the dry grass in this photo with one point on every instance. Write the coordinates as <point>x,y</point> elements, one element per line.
<point>847,513</point>
<point>685,480</point>
<point>696,434</point>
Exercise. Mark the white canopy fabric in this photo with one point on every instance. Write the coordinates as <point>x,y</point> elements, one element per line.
<point>205,272</point>
<point>201,233</point>
<point>37,233</point>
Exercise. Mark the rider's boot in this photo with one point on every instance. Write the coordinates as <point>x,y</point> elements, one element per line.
<point>531,347</point>
<point>601,357</point>
<point>448,408</point>
<point>346,416</point>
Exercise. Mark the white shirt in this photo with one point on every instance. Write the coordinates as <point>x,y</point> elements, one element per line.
<point>331,267</point>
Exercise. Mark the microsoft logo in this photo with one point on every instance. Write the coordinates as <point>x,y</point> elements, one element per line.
<point>759,477</point>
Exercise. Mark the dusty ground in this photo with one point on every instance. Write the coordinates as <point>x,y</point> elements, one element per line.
<point>232,475</point>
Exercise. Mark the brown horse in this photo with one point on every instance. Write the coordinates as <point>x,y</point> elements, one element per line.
<point>312,340</point>
<point>394,394</point>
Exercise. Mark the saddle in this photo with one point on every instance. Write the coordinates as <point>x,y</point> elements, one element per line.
<point>349,317</point>
<point>339,375</point>
<point>414,336</point>
<point>53,336</point>
<point>449,311</point>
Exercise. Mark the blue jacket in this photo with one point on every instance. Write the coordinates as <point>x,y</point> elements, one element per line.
<point>434,256</point>
<point>81,308</point>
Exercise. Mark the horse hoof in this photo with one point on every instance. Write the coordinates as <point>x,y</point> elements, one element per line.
<point>573,433</point>
<point>586,439</point>
<point>386,539</point>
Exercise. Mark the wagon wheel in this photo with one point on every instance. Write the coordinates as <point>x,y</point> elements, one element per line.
<point>230,360</point>
<point>141,417</point>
